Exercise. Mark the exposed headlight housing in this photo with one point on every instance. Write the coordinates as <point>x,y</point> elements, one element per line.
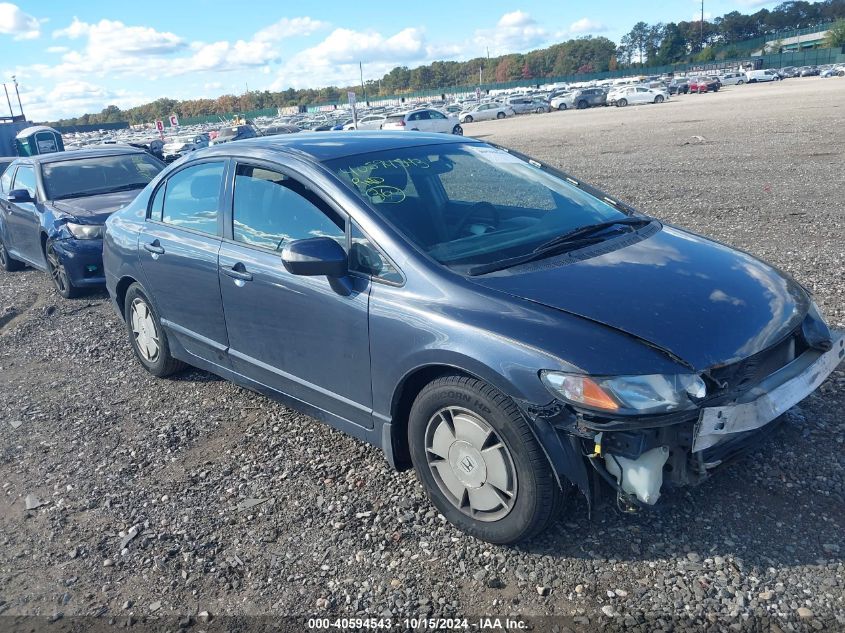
<point>815,329</point>
<point>85,231</point>
<point>628,395</point>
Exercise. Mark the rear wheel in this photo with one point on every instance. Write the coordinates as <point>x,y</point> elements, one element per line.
<point>500,115</point>
<point>562,106</point>
<point>7,262</point>
<point>658,99</point>
<point>58,272</point>
<point>479,461</point>
<point>467,119</point>
<point>622,103</point>
<point>740,82</point>
<point>148,338</point>
<point>582,105</point>
<point>458,130</point>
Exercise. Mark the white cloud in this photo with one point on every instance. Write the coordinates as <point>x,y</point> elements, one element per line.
<point>111,47</point>
<point>225,56</point>
<point>72,98</point>
<point>752,4</point>
<point>57,49</point>
<point>586,25</point>
<point>514,32</point>
<point>15,22</point>
<point>257,52</point>
<point>335,59</point>
<point>289,27</point>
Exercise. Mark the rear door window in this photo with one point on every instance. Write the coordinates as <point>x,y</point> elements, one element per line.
<point>191,198</point>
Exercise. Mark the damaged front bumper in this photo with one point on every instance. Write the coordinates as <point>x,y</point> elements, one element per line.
<point>641,456</point>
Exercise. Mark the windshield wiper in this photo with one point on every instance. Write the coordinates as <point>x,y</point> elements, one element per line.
<point>127,187</point>
<point>571,240</point>
<point>590,229</point>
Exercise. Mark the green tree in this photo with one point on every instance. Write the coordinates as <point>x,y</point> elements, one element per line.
<point>836,35</point>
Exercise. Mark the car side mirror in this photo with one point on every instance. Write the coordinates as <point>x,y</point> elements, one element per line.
<point>315,256</point>
<point>20,195</point>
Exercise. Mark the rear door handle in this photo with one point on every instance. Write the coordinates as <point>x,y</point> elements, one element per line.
<point>155,248</point>
<point>238,271</point>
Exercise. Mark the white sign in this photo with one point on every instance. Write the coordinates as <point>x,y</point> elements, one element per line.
<point>160,125</point>
<point>174,122</point>
<point>351,96</point>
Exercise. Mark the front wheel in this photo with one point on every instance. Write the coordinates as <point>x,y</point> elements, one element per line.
<point>658,99</point>
<point>622,103</point>
<point>58,272</point>
<point>146,335</point>
<point>458,130</point>
<point>479,461</point>
<point>562,106</point>
<point>467,119</point>
<point>500,115</point>
<point>740,82</point>
<point>582,105</point>
<point>7,262</point>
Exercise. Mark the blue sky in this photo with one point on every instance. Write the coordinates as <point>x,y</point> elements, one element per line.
<point>76,57</point>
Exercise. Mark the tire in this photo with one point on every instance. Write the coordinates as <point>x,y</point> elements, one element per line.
<point>58,273</point>
<point>582,105</point>
<point>740,82</point>
<point>7,262</point>
<point>467,119</point>
<point>658,99</point>
<point>160,363</point>
<point>562,106</point>
<point>448,419</point>
<point>500,115</point>
<point>458,130</point>
<point>622,103</point>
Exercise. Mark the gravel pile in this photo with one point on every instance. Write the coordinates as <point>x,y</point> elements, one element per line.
<point>126,497</point>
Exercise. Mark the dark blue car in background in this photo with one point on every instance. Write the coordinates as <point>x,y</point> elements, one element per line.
<point>505,329</point>
<point>53,208</point>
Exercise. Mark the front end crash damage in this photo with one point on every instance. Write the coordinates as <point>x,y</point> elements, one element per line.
<point>639,457</point>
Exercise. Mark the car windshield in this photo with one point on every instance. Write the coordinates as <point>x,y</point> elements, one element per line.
<point>470,204</point>
<point>96,175</point>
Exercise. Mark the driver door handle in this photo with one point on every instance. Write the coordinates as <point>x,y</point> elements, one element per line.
<point>238,271</point>
<point>155,248</point>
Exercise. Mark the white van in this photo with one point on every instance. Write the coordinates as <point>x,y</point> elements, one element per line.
<point>753,76</point>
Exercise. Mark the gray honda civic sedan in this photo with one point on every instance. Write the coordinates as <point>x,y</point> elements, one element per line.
<point>504,328</point>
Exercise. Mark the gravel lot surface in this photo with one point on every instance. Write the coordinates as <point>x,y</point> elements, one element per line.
<point>177,497</point>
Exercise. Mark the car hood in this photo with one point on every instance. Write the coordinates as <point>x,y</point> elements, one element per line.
<point>95,209</point>
<point>696,299</point>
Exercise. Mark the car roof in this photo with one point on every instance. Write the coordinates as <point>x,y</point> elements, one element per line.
<point>99,152</point>
<point>322,146</point>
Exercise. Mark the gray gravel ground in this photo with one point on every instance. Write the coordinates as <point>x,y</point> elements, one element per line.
<point>177,497</point>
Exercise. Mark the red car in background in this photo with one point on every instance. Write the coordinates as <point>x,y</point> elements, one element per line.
<point>704,84</point>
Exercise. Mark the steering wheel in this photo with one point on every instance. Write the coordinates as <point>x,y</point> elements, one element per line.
<point>472,211</point>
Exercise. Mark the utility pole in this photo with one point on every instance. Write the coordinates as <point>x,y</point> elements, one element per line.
<point>479,75</point>
<point>363,90</point>
<point>9,101</point>
<point>702,24</point>
<point>15,81</point>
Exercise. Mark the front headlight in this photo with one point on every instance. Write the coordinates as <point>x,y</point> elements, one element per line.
<point>85,231</point>
<point>628,395</point>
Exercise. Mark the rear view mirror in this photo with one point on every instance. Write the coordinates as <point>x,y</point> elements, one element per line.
<point>315,256</point>
<point>20,195</point>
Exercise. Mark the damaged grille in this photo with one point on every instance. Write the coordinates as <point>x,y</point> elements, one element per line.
<point>749,371</point>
